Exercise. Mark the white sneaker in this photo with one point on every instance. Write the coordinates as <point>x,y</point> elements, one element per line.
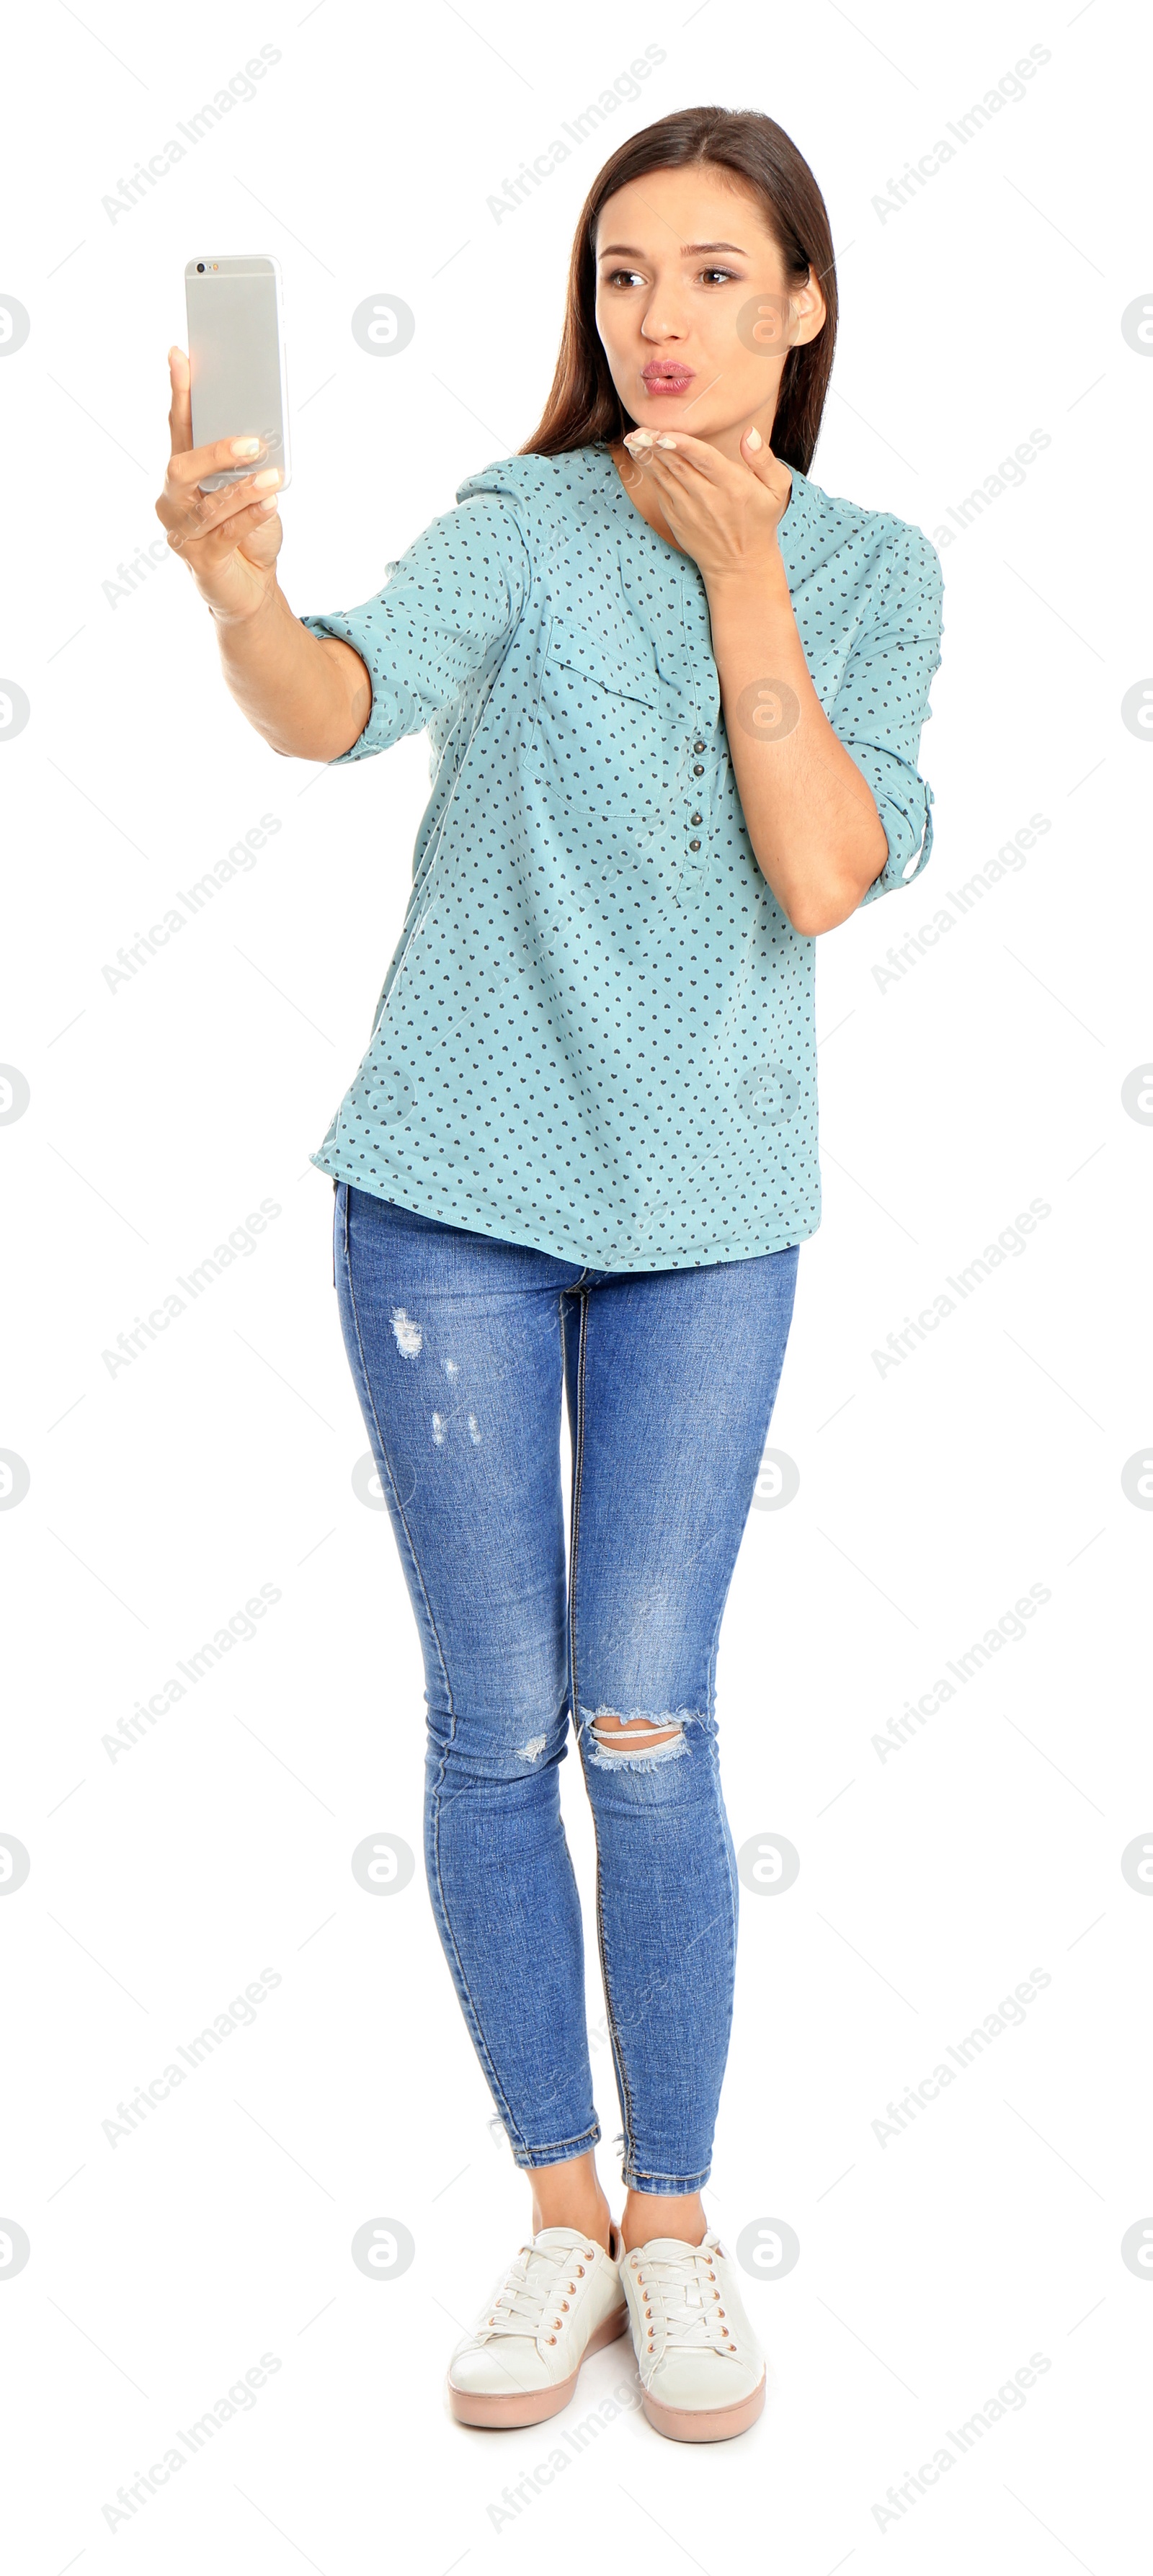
<point>701,2368</point>
<point>559,2300</point>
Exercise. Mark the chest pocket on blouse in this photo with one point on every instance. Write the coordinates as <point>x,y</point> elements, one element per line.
<point>598,715</point>
<point>599,683</point>
<point>607,654</point>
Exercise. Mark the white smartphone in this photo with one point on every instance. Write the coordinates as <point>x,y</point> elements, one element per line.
<point>236,357</point>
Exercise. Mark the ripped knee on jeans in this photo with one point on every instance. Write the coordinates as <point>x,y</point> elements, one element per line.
<point>638,1738</point>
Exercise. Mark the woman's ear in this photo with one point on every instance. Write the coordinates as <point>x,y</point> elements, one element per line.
<point>810,309</point>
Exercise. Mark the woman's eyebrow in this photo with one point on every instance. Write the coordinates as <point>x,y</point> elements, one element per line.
<point>689,250</point>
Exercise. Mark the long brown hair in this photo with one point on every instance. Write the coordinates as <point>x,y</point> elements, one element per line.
<point>584,405</point>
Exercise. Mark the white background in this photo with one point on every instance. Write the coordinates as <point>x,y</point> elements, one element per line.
<point>933,2264</point>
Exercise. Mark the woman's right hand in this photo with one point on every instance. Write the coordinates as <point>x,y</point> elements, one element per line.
<point>229,539</point>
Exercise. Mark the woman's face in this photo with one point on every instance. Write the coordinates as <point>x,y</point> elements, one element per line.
<point>693,307</point>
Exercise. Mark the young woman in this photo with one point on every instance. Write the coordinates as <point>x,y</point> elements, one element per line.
<point>674,694</point>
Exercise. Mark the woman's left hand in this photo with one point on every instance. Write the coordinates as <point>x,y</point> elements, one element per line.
<point>724,515</point>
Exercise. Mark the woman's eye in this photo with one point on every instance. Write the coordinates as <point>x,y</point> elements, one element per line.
<point>632,277</point>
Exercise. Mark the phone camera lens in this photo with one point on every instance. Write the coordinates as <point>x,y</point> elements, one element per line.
<point>200,268</point>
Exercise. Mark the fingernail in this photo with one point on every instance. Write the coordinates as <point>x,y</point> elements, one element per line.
<point>271,474</point>
<point>753,438</point>
<point>638,438</point>
<point>268,503</point>
<point>666,442</point>
<point>246,447</point>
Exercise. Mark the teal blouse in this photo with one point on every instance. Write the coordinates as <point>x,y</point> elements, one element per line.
<point>595,1035</point>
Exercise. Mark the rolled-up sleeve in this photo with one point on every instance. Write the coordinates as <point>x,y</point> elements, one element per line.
<point>448,607</point>
<point>883,702</point>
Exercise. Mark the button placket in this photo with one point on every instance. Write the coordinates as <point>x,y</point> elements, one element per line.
<point>698,772</point>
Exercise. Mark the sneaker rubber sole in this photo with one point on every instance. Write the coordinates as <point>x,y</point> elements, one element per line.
<point>703,2424</point>
<point>532,2406</point>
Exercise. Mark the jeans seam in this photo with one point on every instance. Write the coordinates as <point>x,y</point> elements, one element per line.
<point>367,1383</point>
<point>479,2040</point>
<point>715,1771</point>
<point>721,1817</point>
<point>725,1837</point>
<point>602,1946</point>
<point>606,1980</point>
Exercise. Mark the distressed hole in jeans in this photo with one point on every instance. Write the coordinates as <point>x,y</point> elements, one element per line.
<point>408,1333</point>
<point>637,1740</point>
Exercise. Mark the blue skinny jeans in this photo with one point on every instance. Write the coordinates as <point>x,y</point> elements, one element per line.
<point>462,1349</point>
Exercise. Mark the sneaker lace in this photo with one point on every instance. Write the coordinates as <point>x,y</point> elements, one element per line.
<point>686,2291</point>
<point>536,2289</point>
